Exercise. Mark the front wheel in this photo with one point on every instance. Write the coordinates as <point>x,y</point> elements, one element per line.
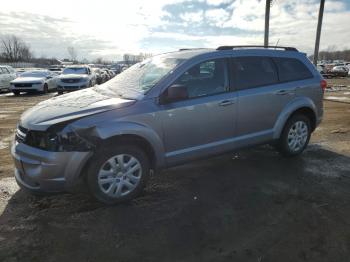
<point>295,136</point>
<point>118,175</point>
<point>45,89</point>
<point>16,93</point>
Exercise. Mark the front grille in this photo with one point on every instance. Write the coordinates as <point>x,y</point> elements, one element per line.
<point>21,134</point>
<point>71,87</point>
<point>76,80</point>
<point>23,85</point>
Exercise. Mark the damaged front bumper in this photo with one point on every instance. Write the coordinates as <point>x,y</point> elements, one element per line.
<point>44,171</point>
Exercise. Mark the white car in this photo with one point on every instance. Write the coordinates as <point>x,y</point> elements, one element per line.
<point>340,71</point>
<point>7,74</point>
<point>75,78</point>
<point>34,81</point>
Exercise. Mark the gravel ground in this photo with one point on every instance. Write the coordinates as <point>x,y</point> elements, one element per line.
<point>253,205</point>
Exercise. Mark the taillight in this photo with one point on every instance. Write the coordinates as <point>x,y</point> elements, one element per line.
<point>323,84</point>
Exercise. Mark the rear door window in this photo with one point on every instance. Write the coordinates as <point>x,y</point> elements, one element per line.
<point>253,71</point>
<point>291,69</point>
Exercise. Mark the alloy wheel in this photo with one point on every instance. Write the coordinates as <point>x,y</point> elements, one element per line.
<point>297,136</point>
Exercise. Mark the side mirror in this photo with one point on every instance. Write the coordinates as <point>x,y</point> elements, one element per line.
<point>174,93</point>
<point>48,77</point>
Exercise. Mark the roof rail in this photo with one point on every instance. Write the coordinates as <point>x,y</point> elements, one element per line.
<point>230,47</point>
<point>186,49</point>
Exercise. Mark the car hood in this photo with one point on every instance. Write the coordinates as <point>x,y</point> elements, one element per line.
<point>72,76</point>
<point>70,106</point>
<point>27,80</point>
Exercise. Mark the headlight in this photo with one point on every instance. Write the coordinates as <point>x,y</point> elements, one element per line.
<point>84,79</point>
<point>57,142</point>
<point>37,83</point>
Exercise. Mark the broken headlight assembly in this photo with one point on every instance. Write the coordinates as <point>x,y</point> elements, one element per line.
<point>58,142</point>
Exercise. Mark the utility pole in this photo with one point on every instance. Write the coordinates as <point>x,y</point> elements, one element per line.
<point>267,22</point>
<point>318,33</point>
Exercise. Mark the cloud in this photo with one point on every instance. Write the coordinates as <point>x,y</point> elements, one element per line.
<point>109,28</point>
<point>242,22</point>
<point>48,36</point>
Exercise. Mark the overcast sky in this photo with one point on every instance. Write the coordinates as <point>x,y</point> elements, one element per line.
<point>107,29</point>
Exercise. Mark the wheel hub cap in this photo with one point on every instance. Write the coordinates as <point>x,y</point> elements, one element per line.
<point>119,175</point>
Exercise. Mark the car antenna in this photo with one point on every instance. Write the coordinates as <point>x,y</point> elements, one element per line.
<point>277,43</point>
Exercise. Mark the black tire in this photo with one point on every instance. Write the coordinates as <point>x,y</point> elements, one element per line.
<point>283,146</point>
<point>16,93</point>
<point>45,89</point>
<point>99,161</point>
<point>59,92</point>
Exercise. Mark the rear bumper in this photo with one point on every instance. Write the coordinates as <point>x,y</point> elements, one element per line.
<point>43,171</point>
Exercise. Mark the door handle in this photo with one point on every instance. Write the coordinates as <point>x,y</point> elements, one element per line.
<point>284,92</point>
<point>226,102</point>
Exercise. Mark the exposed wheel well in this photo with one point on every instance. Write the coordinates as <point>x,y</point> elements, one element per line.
<point>309,113</point>
<point>123,139</point>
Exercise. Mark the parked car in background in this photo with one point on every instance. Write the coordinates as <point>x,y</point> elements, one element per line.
<point>116,69</point>
<point>111,73</point>
<point>323,71</point>
<point>34,81</point>
<point>165,111</point>
<point>57,70</point>
<point>75,77</point>
<point>104,75</point>
<point>98,74</point>
<point>7,74</point>
<point>340,71</point>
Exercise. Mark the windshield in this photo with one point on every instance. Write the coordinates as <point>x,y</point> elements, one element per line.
<point>34,74</point>
<point>137,80</point>
<point>75,70</point>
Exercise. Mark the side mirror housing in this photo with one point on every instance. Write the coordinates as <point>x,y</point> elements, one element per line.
<point>174,93</point>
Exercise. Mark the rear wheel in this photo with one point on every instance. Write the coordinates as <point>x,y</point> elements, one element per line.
<point>60,92</point>
<point>295,136</point>
<point>16,93</point>
<point>118,175</point>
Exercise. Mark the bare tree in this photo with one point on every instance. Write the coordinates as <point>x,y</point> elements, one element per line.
<point>99,60</point>
<point>13,49</point>
<point>72,53</point>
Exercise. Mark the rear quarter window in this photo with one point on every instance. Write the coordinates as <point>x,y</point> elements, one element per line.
<point>291,69</point>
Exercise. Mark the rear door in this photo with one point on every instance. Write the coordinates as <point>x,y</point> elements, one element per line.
<point>261,96</point>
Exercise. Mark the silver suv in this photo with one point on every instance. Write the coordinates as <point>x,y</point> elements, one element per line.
<point>165,111</point>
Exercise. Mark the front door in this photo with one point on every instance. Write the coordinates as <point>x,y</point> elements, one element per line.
<point>203,124</point>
